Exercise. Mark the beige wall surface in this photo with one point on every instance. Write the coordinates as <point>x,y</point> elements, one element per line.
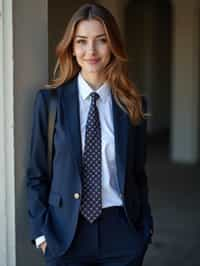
<point>185,89</point>
<point>7,153</point>
<point>30,74</point>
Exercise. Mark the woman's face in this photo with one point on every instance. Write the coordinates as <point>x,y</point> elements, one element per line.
<point>90,47</point>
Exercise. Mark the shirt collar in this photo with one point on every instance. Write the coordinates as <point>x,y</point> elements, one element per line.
<point>85,89</point>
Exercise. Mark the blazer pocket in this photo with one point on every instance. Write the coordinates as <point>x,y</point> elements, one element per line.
<point>55,199</point>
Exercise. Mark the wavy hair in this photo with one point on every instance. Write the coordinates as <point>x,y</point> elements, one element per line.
<point>124,90</point>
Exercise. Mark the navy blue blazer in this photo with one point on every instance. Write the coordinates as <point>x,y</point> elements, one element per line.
<point>53,205</point>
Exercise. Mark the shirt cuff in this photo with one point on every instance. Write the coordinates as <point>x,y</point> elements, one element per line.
<point>39,240</point>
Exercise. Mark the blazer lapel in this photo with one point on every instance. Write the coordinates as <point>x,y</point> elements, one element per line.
<point>72,120</point>
<point>121,125</point>
<point>72,125</point>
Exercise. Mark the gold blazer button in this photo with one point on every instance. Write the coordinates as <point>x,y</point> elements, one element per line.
<point>76,195</point>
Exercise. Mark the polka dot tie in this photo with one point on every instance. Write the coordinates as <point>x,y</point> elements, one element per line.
<point>91,202</point>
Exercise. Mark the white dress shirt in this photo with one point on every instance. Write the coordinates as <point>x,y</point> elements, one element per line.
<point>110,187</point>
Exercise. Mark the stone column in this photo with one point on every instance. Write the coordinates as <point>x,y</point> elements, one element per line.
<point>31,73</point>
<point>7,182</point>
<point>185,84</point>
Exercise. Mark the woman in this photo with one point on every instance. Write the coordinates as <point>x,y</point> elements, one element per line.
<point>94,209</point>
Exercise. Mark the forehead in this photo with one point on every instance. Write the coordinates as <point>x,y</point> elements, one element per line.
<point>89,28</point>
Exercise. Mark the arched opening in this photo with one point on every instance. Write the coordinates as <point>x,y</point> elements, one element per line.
<point>148,26</point>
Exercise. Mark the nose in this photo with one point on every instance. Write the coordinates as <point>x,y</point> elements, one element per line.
<point>91,47</point>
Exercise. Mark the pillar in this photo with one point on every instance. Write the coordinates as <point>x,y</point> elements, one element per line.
<point>30,22</point>
<point>185,83</point>
<point>7,184</point>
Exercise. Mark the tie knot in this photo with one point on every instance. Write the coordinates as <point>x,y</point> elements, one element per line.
<point>94,96</point>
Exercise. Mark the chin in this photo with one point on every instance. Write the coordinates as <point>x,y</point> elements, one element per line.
<point>94,70</point>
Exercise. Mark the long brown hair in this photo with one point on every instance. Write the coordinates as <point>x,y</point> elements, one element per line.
<point>116,73</point>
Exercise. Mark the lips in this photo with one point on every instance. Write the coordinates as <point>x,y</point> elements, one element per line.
<point>92,61</point>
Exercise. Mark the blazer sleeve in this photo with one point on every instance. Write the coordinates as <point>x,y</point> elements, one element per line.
<point>37,180</point>
<point>141,176</point>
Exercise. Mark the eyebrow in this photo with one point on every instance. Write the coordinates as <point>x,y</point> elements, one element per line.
<point>84,37</point>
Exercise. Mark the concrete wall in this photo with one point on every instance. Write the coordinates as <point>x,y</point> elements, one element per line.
<point>7,172</point>
<point>185,82</point>
<point>30,74</point>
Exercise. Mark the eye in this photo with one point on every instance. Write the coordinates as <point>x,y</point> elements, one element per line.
<point>80,41</point>
<point>103,40</point>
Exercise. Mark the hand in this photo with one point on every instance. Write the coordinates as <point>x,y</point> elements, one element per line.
<point>43,247</point>
<point>150,236</point>
<point>148,233</point>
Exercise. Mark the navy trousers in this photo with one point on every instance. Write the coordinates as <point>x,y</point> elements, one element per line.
<point>109,241</point>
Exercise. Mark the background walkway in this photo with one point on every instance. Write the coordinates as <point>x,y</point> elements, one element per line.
<point>175,199</point>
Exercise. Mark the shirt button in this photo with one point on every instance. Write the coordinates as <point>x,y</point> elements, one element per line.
<point>76,195</point>
<point>120,195</point>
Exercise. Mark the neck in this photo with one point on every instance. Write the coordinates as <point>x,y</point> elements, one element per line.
<point>94,80</point>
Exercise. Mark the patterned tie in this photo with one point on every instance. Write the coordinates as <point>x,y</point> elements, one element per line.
<point>91,202</point>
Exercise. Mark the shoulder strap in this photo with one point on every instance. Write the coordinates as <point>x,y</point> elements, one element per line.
<point>51,126</point>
